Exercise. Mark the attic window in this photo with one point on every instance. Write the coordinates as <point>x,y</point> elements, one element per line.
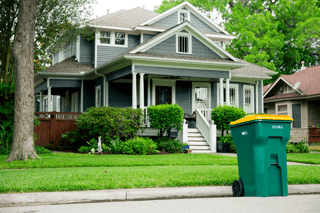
<point>183,44</point>
<point>105,37</point>
<point>183,16</point>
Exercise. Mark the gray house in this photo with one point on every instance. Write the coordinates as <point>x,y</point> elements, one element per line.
<point>141,58</point>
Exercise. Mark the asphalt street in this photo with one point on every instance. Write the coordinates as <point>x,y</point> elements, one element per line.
<point>291,204</point>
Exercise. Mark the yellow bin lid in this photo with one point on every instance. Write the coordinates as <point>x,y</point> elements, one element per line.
<point>262,117</point>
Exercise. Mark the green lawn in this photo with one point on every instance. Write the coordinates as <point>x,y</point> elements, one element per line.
<point>64,160</point>
<point>313,158</point>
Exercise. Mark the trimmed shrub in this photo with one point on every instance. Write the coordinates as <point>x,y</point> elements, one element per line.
<point>166,144</point>
<point>140,146</point>
<point>165,117</point>
<point>223,115</point>
<point>108,122</point>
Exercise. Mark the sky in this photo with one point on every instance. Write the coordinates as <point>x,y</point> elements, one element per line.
<point>102,6</point>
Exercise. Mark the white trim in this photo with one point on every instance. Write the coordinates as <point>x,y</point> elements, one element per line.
<point>189,36</point>
<point>163,82</point>
<point>49,100</point>
<point>149,95</point>
<point>256,100</point>
<point>112,39</point>
<point>194,85</point>
<point>98,88</point>
<point>251,88</point>
<point>60,55</point>
<point>81,107</point>
<point>228,92</point>
<point>141,38</point>
<point>149,29</point>
<point>107,27</point>
<point>78,48</point>
<point>134,88</point>
<point>193,9</point>
<point>107,94</point>
<point>235,86</point>
<point>252,77</point>
<point>279,104</point>
<point>96,37</point>
<point>41,101</point>
<point>183,11</point>
<point>195,32</point>
<point>262,104</point>
<point>141,96</point>
<point>220,100</point>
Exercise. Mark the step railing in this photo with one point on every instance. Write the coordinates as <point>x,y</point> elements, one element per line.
<point>207,128</point>
<point>206,113</point>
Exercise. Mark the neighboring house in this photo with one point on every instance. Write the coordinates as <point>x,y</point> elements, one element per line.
<point>297,95</point>
<point>141,58</point>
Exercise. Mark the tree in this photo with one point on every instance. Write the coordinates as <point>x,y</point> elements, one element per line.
<point>276,34</point>
<point>22,52</point>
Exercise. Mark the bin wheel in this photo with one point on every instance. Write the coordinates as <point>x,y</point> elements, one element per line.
<point>237,188</point>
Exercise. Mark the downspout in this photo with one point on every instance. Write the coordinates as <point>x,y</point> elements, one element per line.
<point>104,87</point>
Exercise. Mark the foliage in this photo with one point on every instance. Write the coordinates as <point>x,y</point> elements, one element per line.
<point>225,139</point>
<point>165,117</point>
<point>277,35</point>
<point>115,146</point>
<point>300,147</point>
<point>223,115</point>
<point>84,149</point>
<point>93,143</point>
<point>57,22</point>
<point>108,122</point>
<point>166,144</point>
<point>140,146</point>
<point>42,150</point>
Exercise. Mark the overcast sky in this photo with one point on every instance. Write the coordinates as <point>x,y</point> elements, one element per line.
<point>102,6</point>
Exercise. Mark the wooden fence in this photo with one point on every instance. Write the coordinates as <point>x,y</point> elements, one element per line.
<point>53,124</point>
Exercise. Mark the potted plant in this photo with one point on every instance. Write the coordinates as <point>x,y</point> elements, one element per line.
<point>188,151</point>
<point>184,147</point>
<point>314,133</point>
<point>223,144</point>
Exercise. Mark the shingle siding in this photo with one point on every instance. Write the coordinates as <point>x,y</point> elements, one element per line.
<point>184,95</point>
<point>85,51</point>
<point>199,24</point>
<point>169,47</point>
<point>169,21</point>
<point>147,37</point>
<point>106,53</point>
<point>66,51</point>
<point>93,55</point>
<point>56,58</point>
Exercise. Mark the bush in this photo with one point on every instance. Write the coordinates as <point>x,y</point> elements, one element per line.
<point>140,146</point>
<point>223,115</point>
<point>165,144</point>
<point>165,117</point>
<point>84,149</point>
<point>42,150</point>
<point>300,147</point>
<point>108,122</point>
<point>115,146</point>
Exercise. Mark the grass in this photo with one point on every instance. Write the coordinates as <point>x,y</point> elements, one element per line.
<point>99,178</point>
<point>64,160</point>
<point>313,158</point>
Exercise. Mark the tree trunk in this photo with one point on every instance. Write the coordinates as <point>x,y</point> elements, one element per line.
<point>22,53</point>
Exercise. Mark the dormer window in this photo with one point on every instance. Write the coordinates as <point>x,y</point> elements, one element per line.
<point>183,15</point>
<point>183,43</point>
<point>105,37</point>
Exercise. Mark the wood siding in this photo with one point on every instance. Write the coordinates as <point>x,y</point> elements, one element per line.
<point>43,86</point>
<point>169,21</point>
<point>199,24</point>
<point>184,95</point>
<point>85,51</point>
<point>65,83</point>
<point>120,94</point>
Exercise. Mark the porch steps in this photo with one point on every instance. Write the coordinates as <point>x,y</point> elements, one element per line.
<point>197,142</point>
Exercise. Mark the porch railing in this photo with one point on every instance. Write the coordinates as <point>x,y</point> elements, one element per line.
<point>207,128</point>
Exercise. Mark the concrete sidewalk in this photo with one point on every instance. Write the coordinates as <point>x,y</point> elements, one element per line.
<point>50,198</point>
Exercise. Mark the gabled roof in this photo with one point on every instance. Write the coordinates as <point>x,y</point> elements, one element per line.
<point>125,18</point>
<point>70,65</point>
<point>186,4</point>
<point>309,79</point>
<point>251,70</point>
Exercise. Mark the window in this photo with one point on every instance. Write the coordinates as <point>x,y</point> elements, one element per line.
<point>233,94</point>
<point>183,15</point>
<point>247,96</point>
<point>98,96</point>
<point>105,37</point>
<point>119,38</point>
<point>282,109</point>
<point>184,44</point>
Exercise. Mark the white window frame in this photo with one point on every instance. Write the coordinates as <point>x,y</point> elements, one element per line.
<point>251,88</point>
<point>280,104</point>
<point>189,43</point>
<point>234,86</point>
<point>112,39</point>
<point>194,85</point>
<point>45,99</point>
<point>105,37</point>
<point>98,88</point>
<point>165,83</point>
<point>183,11</point>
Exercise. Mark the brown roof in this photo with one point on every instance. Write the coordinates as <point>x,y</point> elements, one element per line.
<point>266,87</point>
<point>125,18</point>
<point>309,79</point>
<point>69,65</point>
<point>281,96</point>
<point>251,70</point>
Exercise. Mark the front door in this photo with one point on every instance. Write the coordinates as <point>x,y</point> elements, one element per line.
<point>201,95</point>
<point>163,95</point>
<point>296,115</point>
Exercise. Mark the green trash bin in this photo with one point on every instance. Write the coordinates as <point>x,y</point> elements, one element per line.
<point>261,149</point>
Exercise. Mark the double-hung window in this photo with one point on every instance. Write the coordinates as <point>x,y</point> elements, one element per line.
<point>119,38</point>
<point>233,94</point>
<point>110,38</point>
<point>183,42</point>
<point>282,109</point>
<point>105,37</point>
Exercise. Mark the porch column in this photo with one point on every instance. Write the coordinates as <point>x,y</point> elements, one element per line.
<point>227,93</point>
<point>221,91</point>
<point>49,100</point>
<point>141,91</point>
<point>41,101</point>
<point>149,97</point>
<point>134,90</point>
<point>257,106</point>
<point>81,98</point>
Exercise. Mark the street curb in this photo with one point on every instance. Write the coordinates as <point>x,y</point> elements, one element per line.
<point>52,198</point>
